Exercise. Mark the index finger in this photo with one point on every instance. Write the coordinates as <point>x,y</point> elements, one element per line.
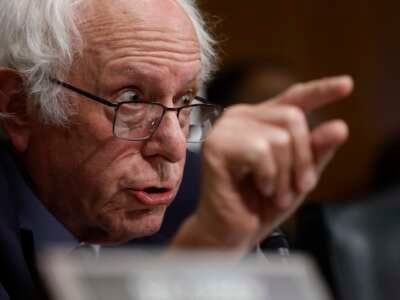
<point>317,93</point>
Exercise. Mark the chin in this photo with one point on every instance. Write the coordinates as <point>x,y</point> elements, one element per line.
<point>125,226</point>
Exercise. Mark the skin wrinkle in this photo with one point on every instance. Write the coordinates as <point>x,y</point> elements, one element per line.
<point>154,44</point>
<point>144,35</point>
<point>168,52</point>
<point>154,49</point>
<point>151,61</point>
<point>149,78</point>
<point>163,171</point>
<point>101,25</point>
<point>99,171</point>
<point>132,72</point>
<point>78,172</point>
<point>152,55</point>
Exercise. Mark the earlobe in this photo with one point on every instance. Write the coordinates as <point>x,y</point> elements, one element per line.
<point>13,109</point>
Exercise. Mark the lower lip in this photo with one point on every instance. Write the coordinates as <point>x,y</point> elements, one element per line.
<point>154,199</point>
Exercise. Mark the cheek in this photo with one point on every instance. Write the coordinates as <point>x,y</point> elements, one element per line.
<point>87,169</point>
<point>104,178</point>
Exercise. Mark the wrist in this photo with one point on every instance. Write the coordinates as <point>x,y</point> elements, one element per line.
<point>196,235</point>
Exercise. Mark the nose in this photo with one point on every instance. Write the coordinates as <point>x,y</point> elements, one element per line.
<point>168,140</point>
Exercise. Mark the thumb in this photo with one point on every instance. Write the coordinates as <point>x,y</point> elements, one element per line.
<point>326,139</point>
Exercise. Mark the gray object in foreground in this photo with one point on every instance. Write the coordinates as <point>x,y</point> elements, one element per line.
<point>139,276</point>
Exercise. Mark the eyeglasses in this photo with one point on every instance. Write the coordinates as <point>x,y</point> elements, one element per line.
<point>138,120</point>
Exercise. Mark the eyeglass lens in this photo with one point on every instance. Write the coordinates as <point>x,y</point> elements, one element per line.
<point>138,121</point>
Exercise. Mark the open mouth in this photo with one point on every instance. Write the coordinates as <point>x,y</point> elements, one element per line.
<point>152,196</point>
<point>155,190</point>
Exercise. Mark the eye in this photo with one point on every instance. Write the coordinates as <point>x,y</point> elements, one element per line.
<point>128,95</point>
<point>186,99</point>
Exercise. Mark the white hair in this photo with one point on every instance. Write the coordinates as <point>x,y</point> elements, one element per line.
<point>206,41</point>
<point>40,39</point>
<point>36,40</point>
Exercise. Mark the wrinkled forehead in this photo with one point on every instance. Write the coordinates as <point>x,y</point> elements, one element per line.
<point>167,12</point>
<point>113,27</point>
<point>159,18</point>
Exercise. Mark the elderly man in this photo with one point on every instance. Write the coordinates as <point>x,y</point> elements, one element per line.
<point>98,99</point>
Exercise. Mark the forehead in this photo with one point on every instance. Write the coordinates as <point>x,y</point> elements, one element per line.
<point>134,13</point>
<point>118,35</point>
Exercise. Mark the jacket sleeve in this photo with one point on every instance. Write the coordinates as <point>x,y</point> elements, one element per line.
<point>3,293</point>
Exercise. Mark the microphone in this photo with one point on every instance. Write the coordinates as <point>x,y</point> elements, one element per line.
<point>275,243</point>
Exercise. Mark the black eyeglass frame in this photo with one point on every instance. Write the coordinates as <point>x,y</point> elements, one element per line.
<point>116,107</point>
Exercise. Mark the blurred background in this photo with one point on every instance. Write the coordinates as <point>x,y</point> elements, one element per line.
<point>350,224</point>
<point>320,38</point>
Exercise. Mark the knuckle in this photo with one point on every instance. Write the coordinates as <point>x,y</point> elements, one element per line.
<point>295,88</point>
<point>282,139</point>
<point>235,110</point>
<point>214,145</point>
<point>272,172</point>
<point>260,147</point>
<point>267,150</point>
<point>266,161</point>
<point>294,115</point>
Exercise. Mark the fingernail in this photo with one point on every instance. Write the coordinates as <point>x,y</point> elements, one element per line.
<point>268,190</point>
<point>345,78</point>
<point>309,181</point>
<point>347,81</point>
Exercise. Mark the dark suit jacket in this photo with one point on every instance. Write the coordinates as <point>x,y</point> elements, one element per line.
<point>3,294</point>
<point>356,243</point>
<point>18,275</point>
<point>19,278</point>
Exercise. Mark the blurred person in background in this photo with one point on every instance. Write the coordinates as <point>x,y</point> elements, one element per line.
<point>386,167</point>
<point>98,100</point>
<point>251,81</point>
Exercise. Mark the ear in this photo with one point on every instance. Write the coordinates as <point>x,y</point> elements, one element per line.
<point>14,108</point>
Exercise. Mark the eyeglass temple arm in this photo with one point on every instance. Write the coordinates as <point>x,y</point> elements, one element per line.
<point>83,93</point>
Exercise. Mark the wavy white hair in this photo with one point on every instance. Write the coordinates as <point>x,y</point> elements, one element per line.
<point>39,39</point>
